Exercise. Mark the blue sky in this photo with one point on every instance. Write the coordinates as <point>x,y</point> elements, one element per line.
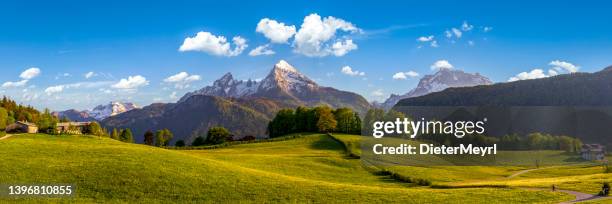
<point>47,48</point>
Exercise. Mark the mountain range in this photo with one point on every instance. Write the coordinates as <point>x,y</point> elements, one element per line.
<point>98,113</point>
<point>442,79</point>
<point>577,104</point>
<point>244,107</point>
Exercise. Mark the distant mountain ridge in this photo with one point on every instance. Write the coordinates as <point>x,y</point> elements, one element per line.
<point>442,79</point>
<point>575,89</point>
<point>98,113</point>
<point>576,104</point>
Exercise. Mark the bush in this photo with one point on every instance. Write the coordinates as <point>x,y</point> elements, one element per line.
<point>217,135</point>
<point>2,133</point>
<point>199,141</point>
<point>179,143</point>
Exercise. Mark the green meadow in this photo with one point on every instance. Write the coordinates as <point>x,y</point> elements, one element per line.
<point>311,168</point>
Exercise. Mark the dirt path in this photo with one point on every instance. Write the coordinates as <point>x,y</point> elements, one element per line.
<point>6,137</point>
<point>580,196</point>
<point>527,170</point>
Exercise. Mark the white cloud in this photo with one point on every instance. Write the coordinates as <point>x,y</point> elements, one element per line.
<point>132,82</point>
<point>30,73</point>
<point>533,74</point>
<point>54,89</point>
<point>275,31</point>
<point>349,71</point>
<point>89,75</point>
<point>25,77</point>
<point>214,45</point>
<point>182,79</point>
<point>378,93</point>
<point>341,48</point>
<point>466,26</point>
<point>552,72</point>
<point>487,29</point>
<point>441,64</point>
<point>471,43</point>
<point>173,95</point>
<point>434,44</point>
<point>405,75</point>
<point>425,38</point>
<point>261,50</point>
<point>314,35</point>
<point>448,34</point>
<point>10,84</point>
<point>562,65</point>
<point>457,32</point>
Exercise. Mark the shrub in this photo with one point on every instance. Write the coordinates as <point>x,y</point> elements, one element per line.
<point>179,143</point>
<point>199,141</point>
<point>217,135</point>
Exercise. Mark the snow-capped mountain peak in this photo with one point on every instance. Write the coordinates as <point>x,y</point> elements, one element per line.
<point>283,76</point>
<point>113,108</point>
<point>443,79</point>
<point>286,78</point>
<point>284,65</point>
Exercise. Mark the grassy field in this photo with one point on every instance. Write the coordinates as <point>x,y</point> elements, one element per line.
<point>582,177</point>
<point>313,168</point>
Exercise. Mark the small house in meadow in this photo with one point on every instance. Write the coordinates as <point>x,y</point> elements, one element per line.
<point>72,127</point>
<point>593,152</point>
<point>22,127</point>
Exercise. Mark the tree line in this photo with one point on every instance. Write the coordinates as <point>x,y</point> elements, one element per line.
<point>318,119</point>
<point>11,112</point>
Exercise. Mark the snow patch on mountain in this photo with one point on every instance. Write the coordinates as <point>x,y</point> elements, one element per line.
<point>102,112</point>
<point>443,79</point>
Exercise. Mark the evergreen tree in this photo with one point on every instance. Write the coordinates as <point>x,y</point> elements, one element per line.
<point>115,134</point>
<point>148,138</point>
<point>126,136</point>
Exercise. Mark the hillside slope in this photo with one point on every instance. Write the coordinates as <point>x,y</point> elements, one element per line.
<point>105,170</point>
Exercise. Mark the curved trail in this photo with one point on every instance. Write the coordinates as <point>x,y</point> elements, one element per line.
<point>580,196</point>
<point>527,170</point>
<point>5,137</point>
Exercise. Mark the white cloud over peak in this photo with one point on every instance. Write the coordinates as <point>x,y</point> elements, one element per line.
<point>317,37</point>
<point>214,45</point>
<point>275,31</point>
<point>533,74</point>
<point>349,71</point>
<point>182,79</point>
<point>132,82</point>
<point>30,73</point>
<point>378,93</point>
<point>441,64</point>
<point>261,50</point>
<point>405,75</point>
<point>558,67</point>
<point>562,65</point>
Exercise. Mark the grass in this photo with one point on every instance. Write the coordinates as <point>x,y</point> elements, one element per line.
<point>582,177</point>
<point>313,168</point>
